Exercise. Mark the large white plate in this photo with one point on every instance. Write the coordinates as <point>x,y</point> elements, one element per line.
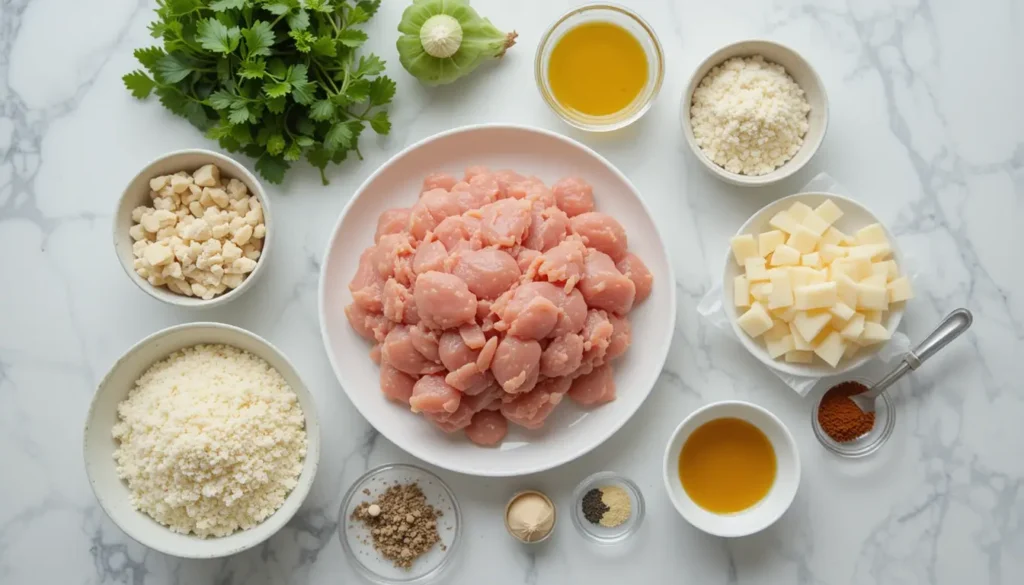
<point>570,431</point>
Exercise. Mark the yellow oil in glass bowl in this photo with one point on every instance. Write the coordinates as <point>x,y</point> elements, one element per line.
<point>597,69</point>
<point>727,465</point>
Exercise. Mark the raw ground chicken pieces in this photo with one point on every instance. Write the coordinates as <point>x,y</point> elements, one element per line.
<point>493,297</point>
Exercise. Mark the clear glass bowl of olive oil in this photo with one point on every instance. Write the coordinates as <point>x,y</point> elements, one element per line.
<point>599,67</point>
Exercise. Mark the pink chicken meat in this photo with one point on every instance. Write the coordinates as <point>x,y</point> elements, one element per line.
<point>494,296</point>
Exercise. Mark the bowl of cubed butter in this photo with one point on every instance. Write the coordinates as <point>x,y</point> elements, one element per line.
<point>814,284</point>
<point>193,229</point>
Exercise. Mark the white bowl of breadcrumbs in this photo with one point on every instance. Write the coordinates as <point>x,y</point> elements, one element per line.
<point>201,441</point>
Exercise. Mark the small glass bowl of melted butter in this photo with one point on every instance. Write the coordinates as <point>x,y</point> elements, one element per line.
<point>599,67</point>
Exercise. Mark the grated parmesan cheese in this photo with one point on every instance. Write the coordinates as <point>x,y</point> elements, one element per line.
<point>211,440</point>
<point>749,116</point>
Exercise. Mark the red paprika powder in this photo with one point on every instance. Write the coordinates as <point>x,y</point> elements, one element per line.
<point>840,417</point>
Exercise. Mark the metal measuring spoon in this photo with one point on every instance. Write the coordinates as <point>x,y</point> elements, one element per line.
<point>951,327</point>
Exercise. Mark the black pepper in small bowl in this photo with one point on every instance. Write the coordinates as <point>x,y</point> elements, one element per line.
<point>609,508</point>
<point>593,506</point>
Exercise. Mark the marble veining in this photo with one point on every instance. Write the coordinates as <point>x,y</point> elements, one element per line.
<point>925,129</point>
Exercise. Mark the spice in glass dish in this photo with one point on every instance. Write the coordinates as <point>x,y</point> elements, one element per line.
<point>402,524</point>
<point>840,417</point>
<point>608,506</point>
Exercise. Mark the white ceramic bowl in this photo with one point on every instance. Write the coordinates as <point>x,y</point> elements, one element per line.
<point>99,445</point>
<point>137,193</point>
<point>855,216</point>
<point>771,507</point>
<point>570,431</point>
<point>801,72</point>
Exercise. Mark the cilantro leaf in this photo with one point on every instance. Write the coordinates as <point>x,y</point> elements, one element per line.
<point>277,105</point>
<point>356,15</point>
<point>298,20</point>
<point>259,38</point>
<point>275,144</point>
<point>320,6</point>
<point>222,5</point>
<point>182,7</point>
<point>221,99</point>
<point>358,91</point>
<point>272,168</point>
<point>380,123</point>
<point>215,36</point>
<point>324,46</point>
<point>171,69</point>
<point>370,6</point>
<point>149,56</point>
<point>382,89</point>
<point>371,65</point>
<point>278,89</point>
<point>351,37</point>
<point>293,153</point>
<point>139,84</point>
<point>322,110</point>
<point>303,141</point>
<point>239,115</point>
<point>279,7</point>
<point>339,136</point>
<point>252,69</point>
<point>303,40</point>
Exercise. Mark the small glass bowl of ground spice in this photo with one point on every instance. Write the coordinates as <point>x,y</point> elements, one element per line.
<point>842,428</point>
<point>607,508</point>
<point>400,523</point>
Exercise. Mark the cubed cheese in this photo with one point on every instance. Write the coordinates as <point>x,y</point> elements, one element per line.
<point>830,252</point>
<point>768,241</point>
<point>779,346</point>
<point>815,296</point>
<point>786,315</point>
<point>755,321</point>
<point>798,340</point>
<point>842,310</point>
<point>799,357</point>
<point>854,327</point>
<point>818,277</point>
<point>831,349</point>
<point>755,269</point>
<point>834,237</point>
<point>812,260</point>
<point>760,291</point>
<point>851,350</point>
<point>856,268</point>
<point>803,240</point>
<point>892,272</point>
<point>870,251</point>
<point>873,316</point>
<point>875,280</point>
<point>782,289</point>
<point>837,322</point>
<point>785,256</point>
<point>899,290</point>
<point>846,289</point>
<point>873,333</point>
<point>801,275</point>
<point>810,323</point>
<point>870,297</point>
<point>743,247</point>
<point>779,330</point>
<point>872,234</point>
<point>829,211</point>
<point>815,223</point>
<point>784,221</point>
<point>741,291</point>
<point>799,211</point>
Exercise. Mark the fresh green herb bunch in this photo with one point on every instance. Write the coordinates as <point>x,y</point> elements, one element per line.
<point>274,79</point>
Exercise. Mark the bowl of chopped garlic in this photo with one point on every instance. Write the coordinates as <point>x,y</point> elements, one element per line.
<point>754,112</point>
<point>814,285</point>
<point>193,229</point>
<point>201,441</point>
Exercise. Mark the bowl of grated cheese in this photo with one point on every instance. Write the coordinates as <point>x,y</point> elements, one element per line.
<point>201,441</point>
<point>754,113</point>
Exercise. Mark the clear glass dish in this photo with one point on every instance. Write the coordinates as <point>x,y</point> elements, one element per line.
<point>628,20</point>
<point>596,532</point>
<point>885,422</point>
<point>355,538</point>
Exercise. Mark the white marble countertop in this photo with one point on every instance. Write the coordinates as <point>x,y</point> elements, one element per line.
<point>925,129</point>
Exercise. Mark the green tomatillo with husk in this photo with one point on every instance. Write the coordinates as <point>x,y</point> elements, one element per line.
<point>443,40</point>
